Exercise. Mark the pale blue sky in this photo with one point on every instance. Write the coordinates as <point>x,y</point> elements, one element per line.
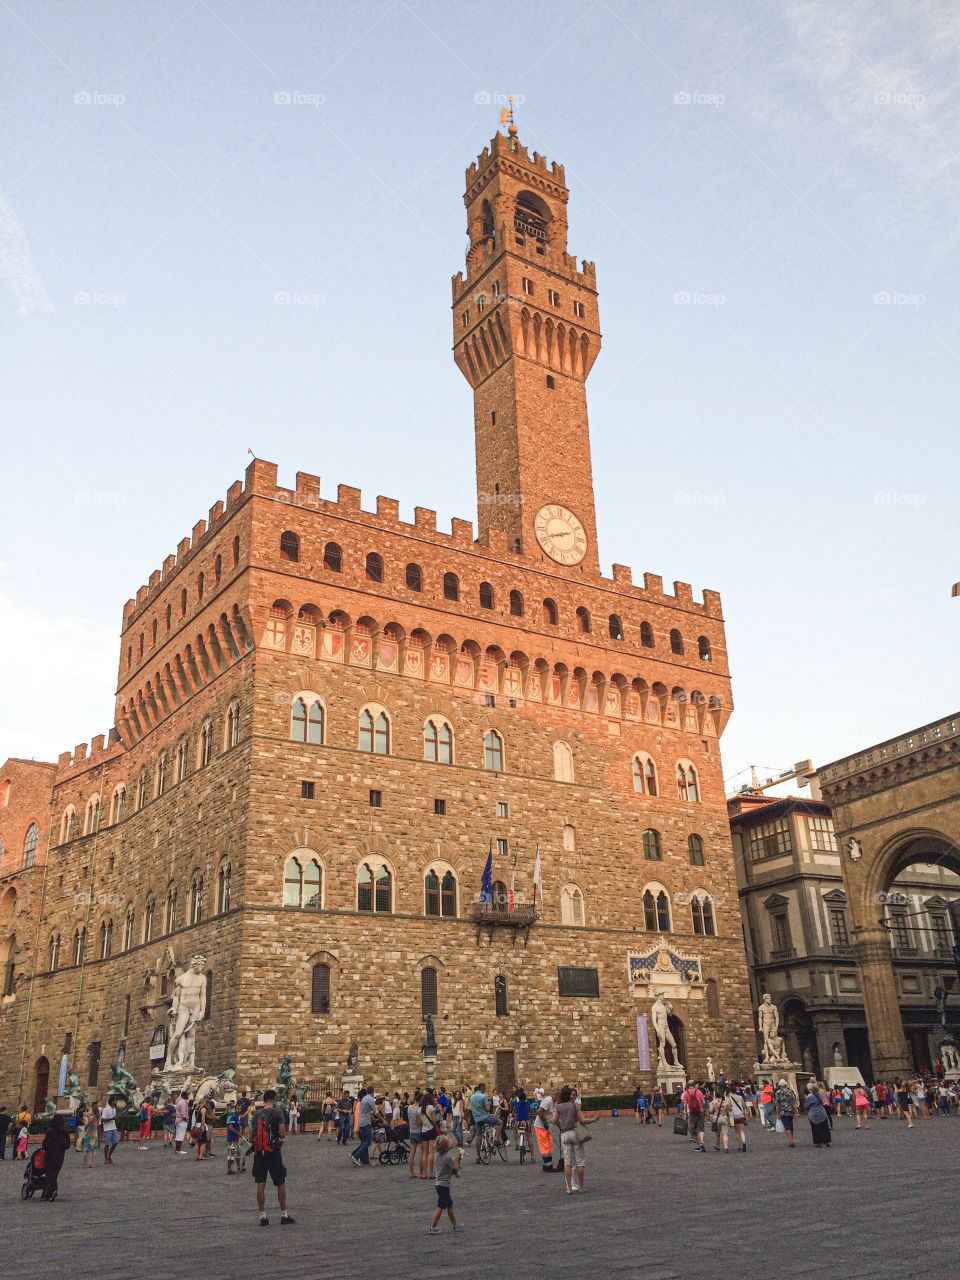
<point>787,437</point>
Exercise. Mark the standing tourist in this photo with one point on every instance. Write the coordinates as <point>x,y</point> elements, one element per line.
<point>785,1101</point>
<point>145,1118</point>
<point>344,1118</point>
<point>328,1117</point>
<point>234,1159</point>
<point>293,1115</point>
<point>861,1106</point>
<point>447,1166</point>
<point>457,1114</point>
<point>429,1132</point>
<point>659,1104</point>
<point>181,1113</point>
<point>818,1117</point>
<point>568,1117</point>
<point>691,1101</point>
<point>268,1134</point>
<point>4,1129</point>
<point>90,1141</point>
<point>169,1115</point>
<point>366,1120</point>
<point>413,1125</point>
<point>55,1143</point>
<point>541,1131</point>
<point>23,1139</point>
<point>719,1120</point>
<point>767,1105</point>
<point>108,1118</point>
<point>738,1118</point>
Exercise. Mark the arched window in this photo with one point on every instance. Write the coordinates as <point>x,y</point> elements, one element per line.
<point>616,627</point>
<point>79,945</point>
<point>676,641</point>
<point>701,909</point>
<point>320,989</point>
<point>183,603</point>
<point>206,743</point>
<point>224,877</point>
<point>451,586</point>
<point>656,911</point>
<point>154,629</point>
<point>148,916</point>
<point>181,762</point>
<point>170,917</point>
<point>644,775</point>
<point>569,837</point>
<point>306,721</point>
<point>438,741</point>
<point>168,619</point>
<point>333,558</point>
<point>375,732</point>
<point>571,905</point>
<point>414,577</point>
<point>562,762</point>
<point>440,893</point>
<point>493,752</point>
<point>583,620</point>
<point>30,841</point>
<point>128,928</point>
<point>486,595</point>
<point>428,991</point>
<point>500,996</point>
<point>302,883</point>
<point>236,551</point>
<point>696,912</point>
<point>289,546</point>
<point>709,923</point>
<point>652,849</point>
<point>703,648</point>
<point>161,783</point>
<point>550,612</point>
<point>142,790</point>
<point>516,604</point>
<point>66,824</point>
<point>217,569</point>
<point>199,586</point>
<point>687,785</point>
<point>54,959</point>
<point>695,849</point>
<point>374,567</point>
<point>116,803</point>
<point>196,899</point>
<point>233,725</point>
<point>374,888</point>
<point>106,939</point>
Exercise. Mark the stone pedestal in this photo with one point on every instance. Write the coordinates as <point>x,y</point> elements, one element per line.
<point>774,1072</point>
<point>840,1076</point>
<point>672,1078</point>
<point>353,1081</point>
<point>429,1067</point>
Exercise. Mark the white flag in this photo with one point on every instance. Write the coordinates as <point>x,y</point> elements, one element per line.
<point>538,876</point>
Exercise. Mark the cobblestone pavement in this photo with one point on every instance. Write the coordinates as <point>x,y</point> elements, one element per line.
<point>878,1203</point>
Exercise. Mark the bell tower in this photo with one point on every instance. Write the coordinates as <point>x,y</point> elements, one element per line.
<point>526,333</point>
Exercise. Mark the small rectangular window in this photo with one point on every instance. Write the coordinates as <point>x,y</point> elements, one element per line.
<point>376,799</point>
<point>501,847</point>
<point>465,317</point>
<point>527,286</point>
<point>550,381</point>
<point>554,298</point>
<point>496,288</point>
<point>489,699</point>
<point>578,982</point>
<point>578,310</point>
<point>306,790</point>
<point>503,809</point>
<point>440,808</point>
<point>493,417</point>
<point>512,702</point>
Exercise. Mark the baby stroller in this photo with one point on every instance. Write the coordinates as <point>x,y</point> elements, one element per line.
<point>395,1150</point>
<point>34,1175</point>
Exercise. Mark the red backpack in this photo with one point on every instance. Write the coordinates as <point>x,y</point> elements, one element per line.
<point>261,1135</point>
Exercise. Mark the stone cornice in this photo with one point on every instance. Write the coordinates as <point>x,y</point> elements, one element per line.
<point>923,751</point>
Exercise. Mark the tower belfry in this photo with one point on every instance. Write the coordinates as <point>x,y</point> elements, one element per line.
<point>526,334</point>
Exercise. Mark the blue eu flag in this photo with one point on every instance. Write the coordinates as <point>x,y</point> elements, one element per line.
<point>486,882</point>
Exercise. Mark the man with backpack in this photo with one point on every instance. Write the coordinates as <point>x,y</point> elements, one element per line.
<point>268,1133</point>
<point>692,1102</point>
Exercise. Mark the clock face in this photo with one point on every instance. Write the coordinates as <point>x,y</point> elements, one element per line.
<point>561,534</point>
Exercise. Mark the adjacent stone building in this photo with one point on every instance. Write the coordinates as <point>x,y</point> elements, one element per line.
<point>327,717</point>
<point>800,935</point>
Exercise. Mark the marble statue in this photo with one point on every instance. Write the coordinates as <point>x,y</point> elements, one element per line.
<point>659,1015</point>
<point>189,1006</point>
<point>837,1056</point>
<point>768,1024</point>
<point>710,1075</point>
<point>949,1055</point>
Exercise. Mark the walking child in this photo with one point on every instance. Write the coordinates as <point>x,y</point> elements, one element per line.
<point>446,1165</point>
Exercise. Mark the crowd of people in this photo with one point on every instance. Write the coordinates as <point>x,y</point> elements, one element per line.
<point>435,1128</point>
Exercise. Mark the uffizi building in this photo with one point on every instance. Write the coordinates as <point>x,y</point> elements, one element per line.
<point>326,717</point>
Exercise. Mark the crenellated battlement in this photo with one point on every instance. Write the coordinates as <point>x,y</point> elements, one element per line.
<point>99,751</point>
<point>513,149</point>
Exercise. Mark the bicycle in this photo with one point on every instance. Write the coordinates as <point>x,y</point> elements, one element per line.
<point>523,1150</point>
<point>490,1143</point>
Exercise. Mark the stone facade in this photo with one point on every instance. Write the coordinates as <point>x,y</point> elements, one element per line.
<point>284,610</point>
